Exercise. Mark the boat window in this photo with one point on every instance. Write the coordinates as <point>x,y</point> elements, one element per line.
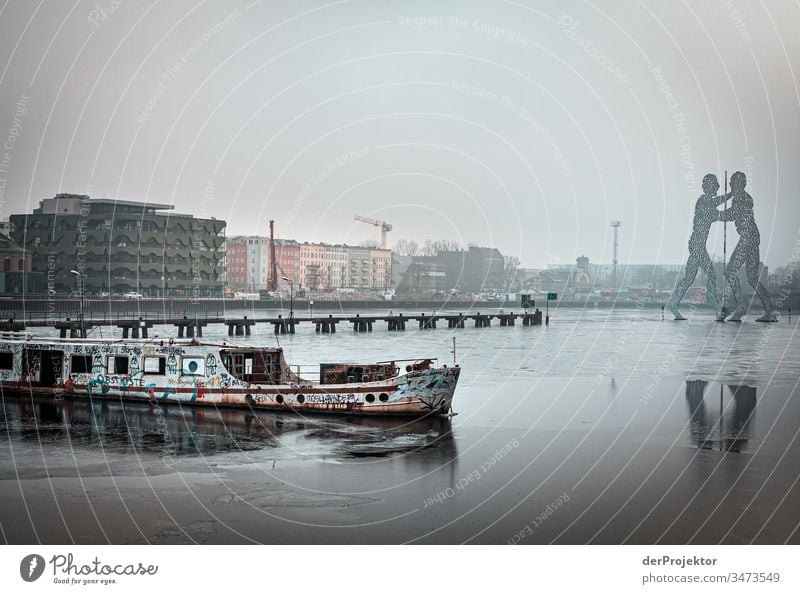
<point>193,366</point>
<point>234,363</point>
<point>80,364</point>
<point>6,360</point>
<point>155,365</point>
<point>259,366</point>
<point>116,364</point>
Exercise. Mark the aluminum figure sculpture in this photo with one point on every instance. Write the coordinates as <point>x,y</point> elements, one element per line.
<point>746,252</point>
<point>705,213</point>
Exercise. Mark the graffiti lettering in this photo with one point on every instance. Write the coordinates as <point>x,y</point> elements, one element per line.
<point>332,398</point>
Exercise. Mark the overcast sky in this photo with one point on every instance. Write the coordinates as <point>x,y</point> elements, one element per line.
<point>527,126</point>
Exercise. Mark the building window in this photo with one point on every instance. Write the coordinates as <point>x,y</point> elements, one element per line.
<point>7,265</point>
<point>6,360</point>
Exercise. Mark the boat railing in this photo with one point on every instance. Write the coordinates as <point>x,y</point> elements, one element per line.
<point>300,374</point>
<point>312,373</point>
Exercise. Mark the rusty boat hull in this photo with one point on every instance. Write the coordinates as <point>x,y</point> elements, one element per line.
<point>222,375</point>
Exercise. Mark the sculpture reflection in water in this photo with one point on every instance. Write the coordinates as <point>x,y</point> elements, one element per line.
<point>180,432</point>
<point>726,428</point>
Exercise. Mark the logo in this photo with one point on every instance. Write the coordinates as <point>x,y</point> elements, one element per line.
<point>31,567</point>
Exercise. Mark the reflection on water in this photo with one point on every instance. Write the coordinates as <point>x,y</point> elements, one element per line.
<point>180,431</point>
<point>720,419</point>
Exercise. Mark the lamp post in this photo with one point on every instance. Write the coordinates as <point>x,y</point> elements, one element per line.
<point>78,281</point>
<point>291,298</point>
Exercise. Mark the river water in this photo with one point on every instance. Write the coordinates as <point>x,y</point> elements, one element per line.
<point>607,426</point>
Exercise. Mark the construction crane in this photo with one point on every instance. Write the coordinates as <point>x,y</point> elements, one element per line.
<point>385,227</point>
<point>272,277</point>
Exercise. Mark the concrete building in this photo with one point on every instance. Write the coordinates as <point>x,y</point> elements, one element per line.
<point>360,273</point>
<point>236,264</point>
<point>287,256</point>
<point>474,270</point>
<point>380,265</point>
<point>583,279</point>
<point>335,267</point>
<point>423,276</point>
<point>312,265</point>
<point>121,246</point>
<point>16,276</point>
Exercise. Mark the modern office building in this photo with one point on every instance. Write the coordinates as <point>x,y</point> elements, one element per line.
<point>99,245</point>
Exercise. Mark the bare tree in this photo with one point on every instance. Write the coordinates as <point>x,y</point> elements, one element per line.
<point>406,247</point>
<point>371,243</point>
<point>510,268</point>
<point>433,247</point>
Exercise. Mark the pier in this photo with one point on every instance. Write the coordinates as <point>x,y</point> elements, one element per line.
<point>192,327</point>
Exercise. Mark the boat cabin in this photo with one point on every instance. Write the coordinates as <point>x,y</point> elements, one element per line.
<point>349,373</point>
<point>256,365</point>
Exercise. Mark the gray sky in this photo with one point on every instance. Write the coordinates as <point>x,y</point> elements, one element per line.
<point>525,126</point>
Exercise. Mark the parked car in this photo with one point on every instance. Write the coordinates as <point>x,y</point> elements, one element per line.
<point>132,295</point>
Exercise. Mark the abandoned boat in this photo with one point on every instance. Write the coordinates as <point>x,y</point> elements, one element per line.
<point>225,374</point>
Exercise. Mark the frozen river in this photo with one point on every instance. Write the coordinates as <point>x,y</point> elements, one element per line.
<point>607,426</point>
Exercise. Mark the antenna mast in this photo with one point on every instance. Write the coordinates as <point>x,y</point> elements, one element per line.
<point>725,243</point>
<point>615,225</point>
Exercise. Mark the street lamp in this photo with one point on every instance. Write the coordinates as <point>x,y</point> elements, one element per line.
<point>78,281</point>
<point>291,297</point>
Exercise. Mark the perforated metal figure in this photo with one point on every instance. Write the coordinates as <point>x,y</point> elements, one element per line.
<point>746,252</point>
<point>705,213</point>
